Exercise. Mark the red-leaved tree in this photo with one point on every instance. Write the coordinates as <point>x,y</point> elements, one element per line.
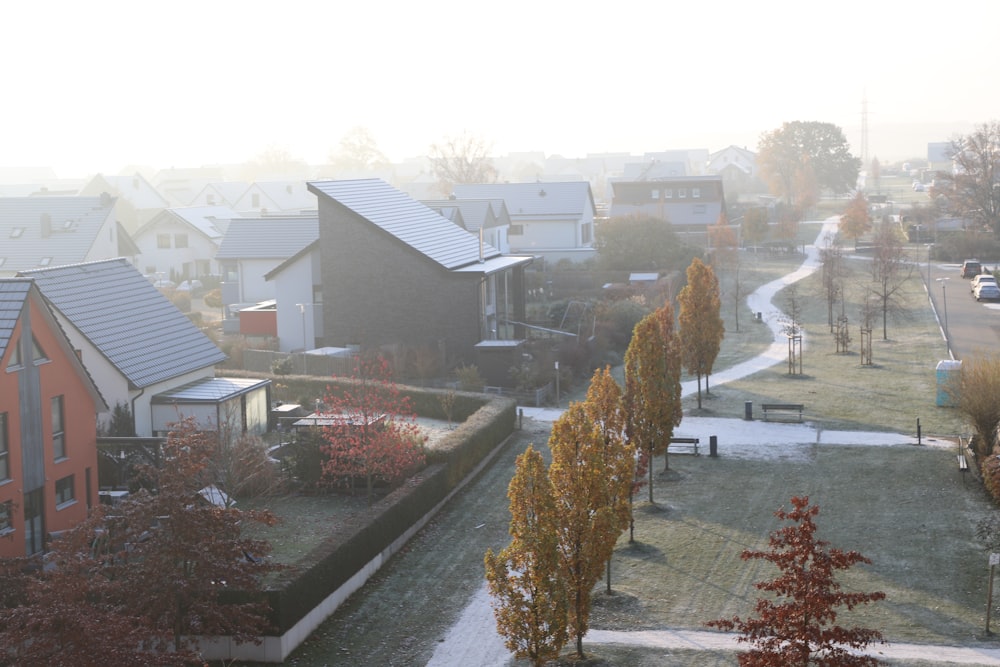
<point>796,624</point>
<point>372,433</point>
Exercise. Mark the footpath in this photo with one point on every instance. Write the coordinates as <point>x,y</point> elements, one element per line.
<point>473,640</point>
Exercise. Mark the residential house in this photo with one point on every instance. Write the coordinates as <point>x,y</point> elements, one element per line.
<point>224,193</point>
<point>551,220</point>
<point>48,231</point>
<point>396,273</point>
<point>132,340</point>
<point>683,201</point>
<point>181,185</point>
<point>276,198</point>
<point>181,243</point>
<point>253,246</point>
<point>738,169</point>
<point>487,218</point>
<point>48,424</point>
<point>298,292</point>
<point>137,200</point>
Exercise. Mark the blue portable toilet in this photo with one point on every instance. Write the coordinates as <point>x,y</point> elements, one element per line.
<point>948,371</point>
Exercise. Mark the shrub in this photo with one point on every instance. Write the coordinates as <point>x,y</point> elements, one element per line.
<point>213,298</point>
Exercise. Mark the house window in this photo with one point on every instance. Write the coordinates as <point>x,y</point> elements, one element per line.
<point>681,193</point>
<point>668,194</point>
<point>163,240</point>
<point>44,261</point>
<point>654,194</point>
<point>16,232</point>
<point>180,240</point>
<point>15,357</point>
<point>37,353</point>
<point>516,230</point>
<point>6,517</point>
<point>64,490</point>
<point>4,450</point>
<point>58,432</point>
<point>585,232</point>
<point>695,193</point>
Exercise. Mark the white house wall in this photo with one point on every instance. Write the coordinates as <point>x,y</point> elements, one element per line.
<point>294,285</point>
<point>253,287</point>
<point>141,398</point>
<point>199,254</point>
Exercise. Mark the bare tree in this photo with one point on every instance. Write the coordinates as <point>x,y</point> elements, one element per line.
<point>970,189</point>
<point>462,159</point>
<point>831,258</point>
<point>357,153</point>
<point>890,270</point>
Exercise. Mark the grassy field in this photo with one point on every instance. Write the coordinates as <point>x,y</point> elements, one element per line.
<point>906,507</point>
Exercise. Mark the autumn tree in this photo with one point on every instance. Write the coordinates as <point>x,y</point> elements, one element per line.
<point>357,154</point>
<point>588,523</point>
<point>891,269</point>
<point>796,623</point>
<point>800,157</point>
<point>976,393</point>
<point>640,243</point>
<point>372,432</point>
<point>701,327</point>
<point>131,587</point>
<point>723,243</point>
<point>856,222</point>
<point>755,227</point>
<point>652,396</point>
<point>525,579</point>
<point>462,159</point>
<point>970,187</point>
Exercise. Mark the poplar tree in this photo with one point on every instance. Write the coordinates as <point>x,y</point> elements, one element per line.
<point>525,579</point>
<point>701,327</point>
<point>652,397</point>
<point>795,624</point>
<point>587,525</point>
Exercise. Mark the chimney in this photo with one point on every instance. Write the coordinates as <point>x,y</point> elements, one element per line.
<point>46,225</point>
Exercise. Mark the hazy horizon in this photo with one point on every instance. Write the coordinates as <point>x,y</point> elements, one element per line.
<point>100,86</point>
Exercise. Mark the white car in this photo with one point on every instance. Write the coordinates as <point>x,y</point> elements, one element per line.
<point>981,279</point>
<point>987,292</point>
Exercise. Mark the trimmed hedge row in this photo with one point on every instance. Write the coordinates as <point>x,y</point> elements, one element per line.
<point>484,423</point>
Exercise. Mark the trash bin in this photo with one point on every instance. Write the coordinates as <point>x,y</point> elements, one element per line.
<point>748,410</point>
<point>948,371</point>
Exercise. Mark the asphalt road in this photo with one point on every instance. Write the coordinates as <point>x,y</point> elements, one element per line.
<point>971,327</point>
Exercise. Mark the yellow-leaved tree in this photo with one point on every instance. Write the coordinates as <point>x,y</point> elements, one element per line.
<point>525,579</point>
<point>652,397</point>
<point>856,221</point>
<point>588,525</point>
<point>701,327</point>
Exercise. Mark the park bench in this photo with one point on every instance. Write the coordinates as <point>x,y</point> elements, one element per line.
<point>691,442</point>
<point>782,409</point>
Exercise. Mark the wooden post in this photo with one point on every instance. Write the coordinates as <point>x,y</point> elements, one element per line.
<point>994,560</point>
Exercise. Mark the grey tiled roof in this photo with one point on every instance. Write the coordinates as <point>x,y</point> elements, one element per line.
<point>127,319</point>
<point>13,292</point>
<point>267,238</point>
<point>74,223</point>
<point>533,199</point>
<point>408,220</point>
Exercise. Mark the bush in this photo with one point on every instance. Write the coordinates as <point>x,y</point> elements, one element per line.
<point>182,300</point>
<point>213,299</point>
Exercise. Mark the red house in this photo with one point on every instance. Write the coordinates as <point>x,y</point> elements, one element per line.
<point>48,424</point>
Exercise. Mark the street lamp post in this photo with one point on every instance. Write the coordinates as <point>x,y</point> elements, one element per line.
<point>944,301</point>
<point>302,310</point>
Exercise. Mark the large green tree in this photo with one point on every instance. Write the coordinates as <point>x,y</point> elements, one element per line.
<point>652,396</point>
<point>970,189</point>
<point>700,319</point>
<point>796,622</point>
<point>801,155</point>
<point>640,243</point>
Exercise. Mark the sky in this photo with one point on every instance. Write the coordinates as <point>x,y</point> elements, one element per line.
<point>98,86</point>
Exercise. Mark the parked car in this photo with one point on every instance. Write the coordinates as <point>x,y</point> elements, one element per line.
<point>971,267</point>
<point>981,279</point>
<point>987,292</point>
<point>194,287</point>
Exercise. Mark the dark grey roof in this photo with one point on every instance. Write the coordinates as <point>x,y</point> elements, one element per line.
<point>208,390</point>
<point>408,220</point>
<point>267,238</point>
<point>534,199</point>
<point>473,213</point>
<point>127,319</point>
<point>13,293</point>
<point>69,230</point>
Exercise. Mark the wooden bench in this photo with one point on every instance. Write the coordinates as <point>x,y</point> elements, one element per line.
<point>788,409</point>
<point>692,442</point>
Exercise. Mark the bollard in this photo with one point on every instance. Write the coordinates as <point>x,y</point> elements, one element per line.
<point>918,431</point>
<point>713,445</point>
<point>520,418</point>
<point>748,411</point>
